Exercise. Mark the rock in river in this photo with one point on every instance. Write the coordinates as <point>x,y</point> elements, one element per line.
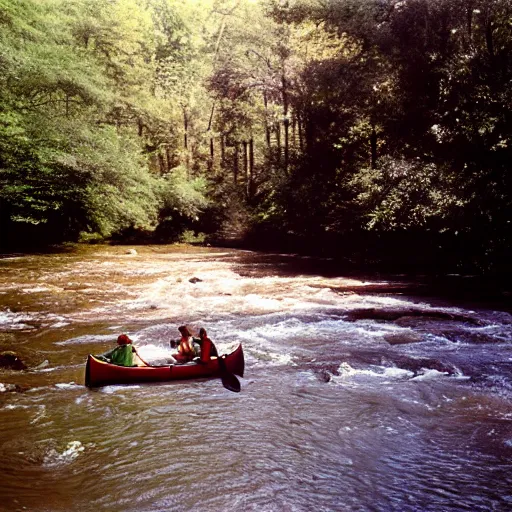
<point>11,361</point>
<point>402,338</point>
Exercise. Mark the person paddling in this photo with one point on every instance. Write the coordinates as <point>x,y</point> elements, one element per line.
<point>186,350</point>
<point>125,354</point>
<point>208,349</point>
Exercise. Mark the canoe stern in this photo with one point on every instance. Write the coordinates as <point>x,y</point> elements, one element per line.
<point>235,362</point>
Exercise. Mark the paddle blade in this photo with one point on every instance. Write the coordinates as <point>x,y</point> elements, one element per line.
<point>229,380</point>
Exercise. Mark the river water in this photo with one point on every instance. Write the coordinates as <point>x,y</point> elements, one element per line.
<point>358,394</point>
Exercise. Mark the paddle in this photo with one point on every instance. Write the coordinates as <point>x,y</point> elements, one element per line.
<point>229,380</point>
<point>134,350</point>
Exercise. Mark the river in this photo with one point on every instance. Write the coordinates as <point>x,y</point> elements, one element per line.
<point>358,395</point>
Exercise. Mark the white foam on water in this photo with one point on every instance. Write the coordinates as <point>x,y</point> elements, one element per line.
<point>223,290</point>
<point>40,289</point>
<point>60,324</point>
<point>269,358</point>
<point>20,327</point>
<point>88,338</point>
<point>39,415</point>
<point>68,385</point>
<point>15,321</point>
<point>114,388</point>
<point>398,373</point>
<point>271,330</point>
<point>262,303</point>
<point>430,374</point>
<point>36,390</point>
<point>347,372</point>
<point>285,332</point>
<point>282,359</point>
<point>48,370</point>
<point>460,376</point>
<point>155,354</point>
<point>72,451</point>
<point>305,377</point>
<point>6,387</point>
<point>18,321</point>
<point>499,332</point>
<point>375,329</point>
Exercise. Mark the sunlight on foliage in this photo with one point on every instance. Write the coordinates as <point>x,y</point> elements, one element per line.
<point>404,194</point>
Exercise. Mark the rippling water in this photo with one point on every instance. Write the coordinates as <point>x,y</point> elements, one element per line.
<point>355,397</point>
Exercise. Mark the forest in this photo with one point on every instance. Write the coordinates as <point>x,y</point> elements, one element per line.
<point>378,132</point>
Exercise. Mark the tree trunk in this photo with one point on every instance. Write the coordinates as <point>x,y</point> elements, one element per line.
<point>212,155</point>
<point>267,127</point>
<point>245,157</point>
<point>235,164</point>
<point>286,143</point>
<point>294,130</point>
<point>469,14</point>
<point>278,140</point>
<point>286,121</point>
<point>301,132</point>
<point>251,168</point>
<point>222,151</point>
<point>169,158</point>
<point>161,161</point>
<point>185,129</point>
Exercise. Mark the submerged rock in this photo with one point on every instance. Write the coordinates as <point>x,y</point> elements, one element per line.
<point>402,316</point>
<point>417,365</point>
<point>324,376</point>
<point>402,338</point>
<point>11,361</point>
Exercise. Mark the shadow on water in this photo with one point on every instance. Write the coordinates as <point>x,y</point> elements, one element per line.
<point>485,290</point>
<point>493,291</point>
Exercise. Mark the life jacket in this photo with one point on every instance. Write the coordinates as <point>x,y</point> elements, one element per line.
<point>206,348</point>
<point>186,348</point>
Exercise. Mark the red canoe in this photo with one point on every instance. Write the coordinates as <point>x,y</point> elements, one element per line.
<point>99,373</point>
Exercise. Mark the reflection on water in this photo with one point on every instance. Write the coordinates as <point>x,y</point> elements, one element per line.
<point>356,396</point>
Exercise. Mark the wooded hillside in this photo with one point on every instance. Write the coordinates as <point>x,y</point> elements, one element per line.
<point>374,130</point>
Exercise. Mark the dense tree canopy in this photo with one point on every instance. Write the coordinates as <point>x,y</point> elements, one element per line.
<point>376,129</point>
